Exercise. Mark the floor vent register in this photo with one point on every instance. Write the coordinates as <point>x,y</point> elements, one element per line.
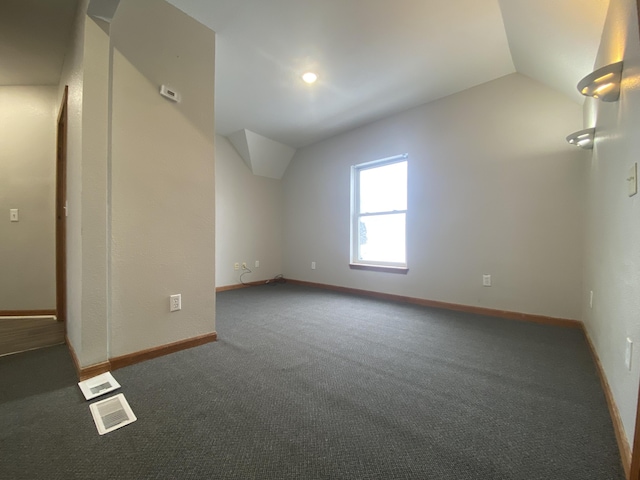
<point>111,413</point>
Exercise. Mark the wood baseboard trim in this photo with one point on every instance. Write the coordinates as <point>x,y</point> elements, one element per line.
<point>27,313</point>
<point>136,357</point>
<point>527,317</point>
<point>90,371</point>
<point>19,334</point>
<point>94,370</point>
<point>143,355</point>
<point>618,427</point>
<point>241,285</point>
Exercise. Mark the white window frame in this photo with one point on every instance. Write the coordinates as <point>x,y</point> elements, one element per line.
<point>356,215</point>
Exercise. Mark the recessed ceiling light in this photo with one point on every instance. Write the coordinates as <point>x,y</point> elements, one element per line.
<point>309,77</point>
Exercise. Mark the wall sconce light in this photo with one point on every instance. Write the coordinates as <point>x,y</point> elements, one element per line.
<point>583,138</point>
<point>604,83</point>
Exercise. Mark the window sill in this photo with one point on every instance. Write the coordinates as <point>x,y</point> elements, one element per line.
<point>378,268</point>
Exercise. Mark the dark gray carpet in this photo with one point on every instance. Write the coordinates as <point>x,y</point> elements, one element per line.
<point>310,384</point>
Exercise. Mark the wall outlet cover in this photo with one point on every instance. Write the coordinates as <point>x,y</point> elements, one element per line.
<point>175,303</point>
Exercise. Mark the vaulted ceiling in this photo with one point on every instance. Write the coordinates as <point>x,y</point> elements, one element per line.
<point>373,57</point>
<point>378,57</point>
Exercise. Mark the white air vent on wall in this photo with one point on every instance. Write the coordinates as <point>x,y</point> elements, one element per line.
<point>169,93</point>
<point>111,414</point>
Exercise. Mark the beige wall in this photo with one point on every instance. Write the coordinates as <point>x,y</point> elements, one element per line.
<point>27,182</point>
<point>86,73</point>
<point>72,76</point>
<point>248,219</point>
<point>493,188</point>
<point>141,180</point>
<point>162,177</point>
<point>95,190</point>
<point>612,260</point>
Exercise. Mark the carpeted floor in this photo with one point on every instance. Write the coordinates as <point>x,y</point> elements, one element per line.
<point>311,384</point>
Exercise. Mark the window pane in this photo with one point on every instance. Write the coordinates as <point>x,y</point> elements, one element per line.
<point>383,189</point>
<point>382,238</point>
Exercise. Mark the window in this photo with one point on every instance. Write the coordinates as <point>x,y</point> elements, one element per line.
<point>379,213</point>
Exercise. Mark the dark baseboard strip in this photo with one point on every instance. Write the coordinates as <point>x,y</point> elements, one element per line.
<point>618,427</point>
<point>527,317</point>
<point>143,355</point>
<point>26,313</point>
<point>240,285</point>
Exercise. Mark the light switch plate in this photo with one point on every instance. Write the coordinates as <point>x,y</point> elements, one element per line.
<point>13,215</point>
<point>632,180</point>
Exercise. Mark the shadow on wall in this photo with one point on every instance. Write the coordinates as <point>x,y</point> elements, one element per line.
<point>162,60</point>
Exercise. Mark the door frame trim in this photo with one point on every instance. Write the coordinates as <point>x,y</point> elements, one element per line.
<point>61,199</point>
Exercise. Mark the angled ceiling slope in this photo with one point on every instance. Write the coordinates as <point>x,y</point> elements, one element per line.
<point>554,42</point>
<point>375,58</point>
<point>103,9</point>
<point>263,156</point>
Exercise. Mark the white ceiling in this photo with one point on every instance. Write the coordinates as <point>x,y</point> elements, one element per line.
<point>378,57</point>
<point>554,41</point>
<point>33,40</point>
<point>374,57</point>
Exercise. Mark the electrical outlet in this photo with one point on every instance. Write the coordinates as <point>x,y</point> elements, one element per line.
<point>313,265</point>
<point>236,266</point>
<point>175,303</point>
<point>257,264</point>
<point>244,265</point>
<point>627,353</point>
<point>486,280</point>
